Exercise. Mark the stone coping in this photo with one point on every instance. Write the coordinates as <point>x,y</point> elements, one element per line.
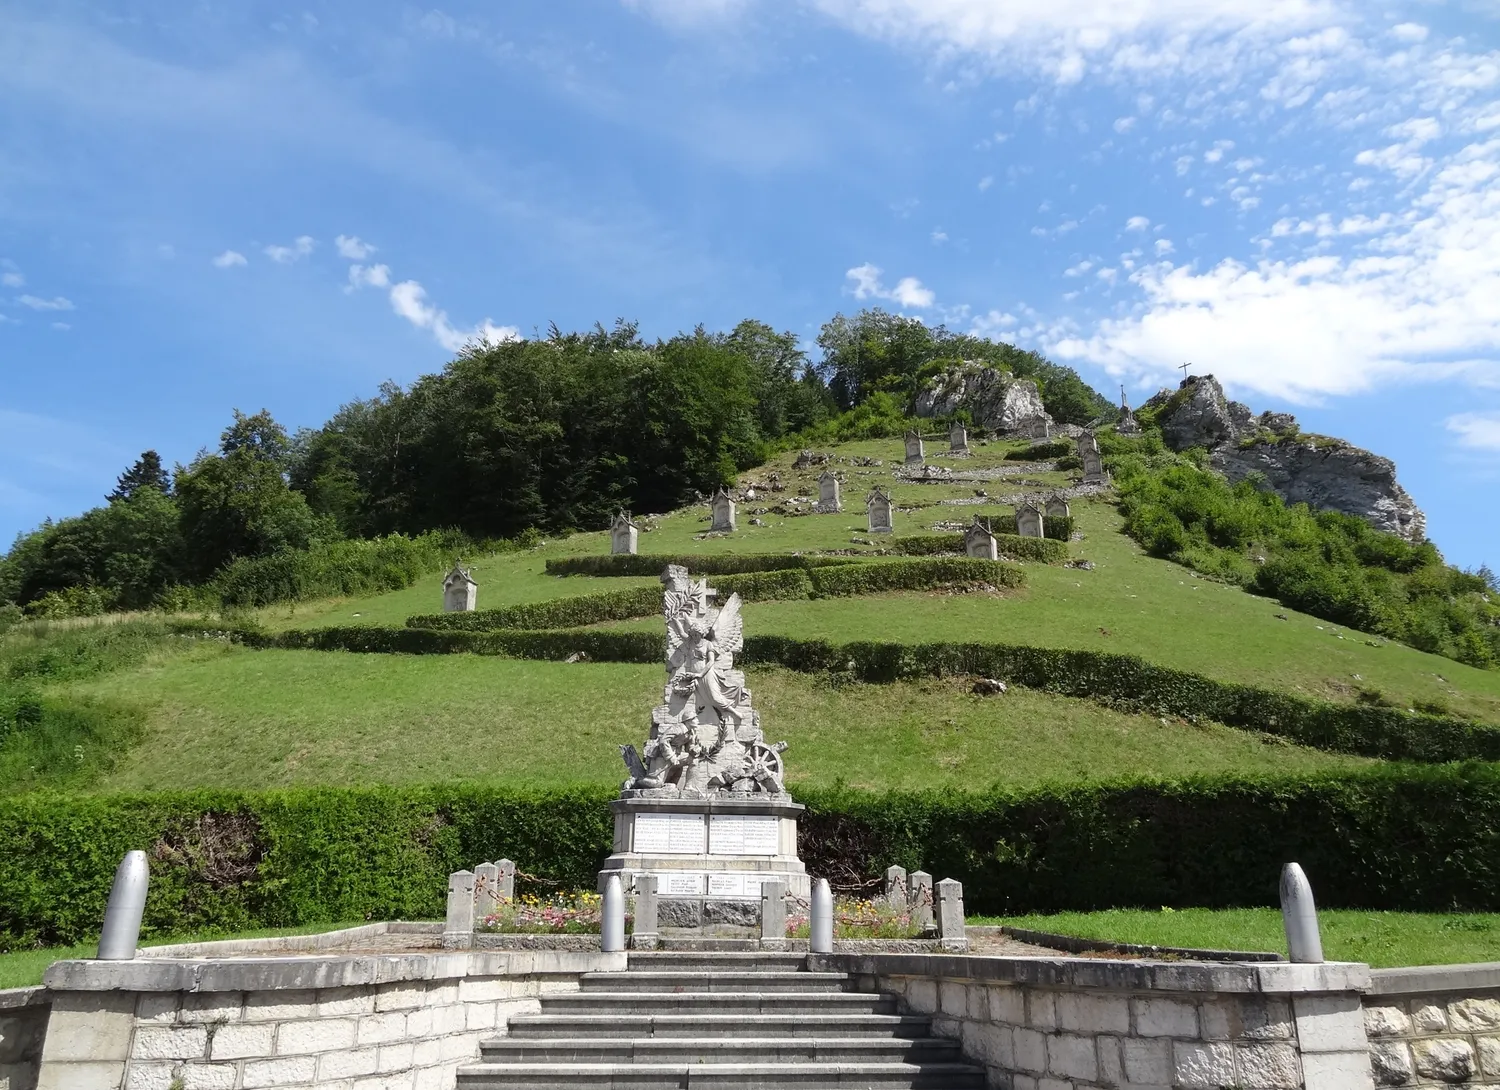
<point>1075,945</point>
<point>326,971</point>
<point>781,806</point>
<point>322,940</point>
<point>1279,978</point>
<point>1417,979</point>
<point>16,998</point>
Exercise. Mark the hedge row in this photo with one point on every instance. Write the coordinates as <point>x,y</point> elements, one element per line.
<point>1058,527</point>
<point>1012,545</point>
<point>1119,681</point>
<point>839,580</point>
<point>653,564</point>
<point>1397,837</point>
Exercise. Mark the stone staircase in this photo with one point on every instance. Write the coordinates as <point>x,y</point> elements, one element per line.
<point>740,1021</point>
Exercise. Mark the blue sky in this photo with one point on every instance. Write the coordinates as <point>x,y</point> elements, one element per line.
<point>209,206</point>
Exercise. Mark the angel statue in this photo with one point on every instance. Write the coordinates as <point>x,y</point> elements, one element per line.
<point>701,643</point>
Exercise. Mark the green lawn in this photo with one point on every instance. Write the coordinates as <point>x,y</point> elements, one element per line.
<point>1382,939</point>
<point>23,968</point>
<point>228,717</point>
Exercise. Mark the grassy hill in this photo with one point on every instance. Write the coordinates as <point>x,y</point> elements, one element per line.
<point>213,714</point>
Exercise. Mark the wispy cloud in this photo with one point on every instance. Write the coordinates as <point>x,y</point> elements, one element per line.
<point>353,247</point>
<point>285,255</point>
<point>12,280</point>
<point>36,303</point>
<point>1476,431</point>
<point>229,259</point>
<point>908,292</point>
<point>409,300</point>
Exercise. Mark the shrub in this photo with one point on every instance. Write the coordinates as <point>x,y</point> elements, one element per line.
<point>1058,527</point>
<point>585,609</point>
<point>926,574</point>
<point>233,861</point>
<point>722,564</point>
<point>1010,545</point>
<point>1041,452</point>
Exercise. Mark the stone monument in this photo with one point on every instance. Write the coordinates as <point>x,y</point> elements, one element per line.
<point>1029,519</point>
<point>705,810</point>
<point>623,533</point>
<point>880,511</point>
<point>914,449</point>
<point>460,592</point>
<point>979,541</point>
<point>723,511</point>
<point>1038,427</point>
<point>1057,507</point>
<point>1128,424</point>
<point>1093,462</point>
<point>958,438</point>
<point>829,501</point>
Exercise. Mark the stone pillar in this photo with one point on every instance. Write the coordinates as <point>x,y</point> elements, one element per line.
<point>458,928</point>
<point>919,894</point>
<point>486,890</point>
<point>772,916</point>
<point>950,915</point>
<point>127,904</point>
<point>506,890</point>
<point>644,935</point>
<point>895,886</point>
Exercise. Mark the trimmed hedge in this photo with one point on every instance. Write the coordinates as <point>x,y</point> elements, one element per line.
<point>1058,528</point>
<point>1012,545</point>
<point>1041,452</point>
<point>653,565</point>
<point>1398,837</point>
<point>1119,681</point>
<point>925,574</point>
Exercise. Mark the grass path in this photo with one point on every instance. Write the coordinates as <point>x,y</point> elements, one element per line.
<point>228,717</point>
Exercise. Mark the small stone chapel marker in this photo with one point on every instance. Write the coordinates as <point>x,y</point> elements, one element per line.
<point>1029,519</point>
<point>914,449</point>
<point>958,438</point>
<point>829,501</point>
<point>1093,463</point>
<point>723,511</point>
<point>622,535</point>
<point>460,592</point>
<point>1057,507</point>
<point>879,511</point>
<point>979,542</point>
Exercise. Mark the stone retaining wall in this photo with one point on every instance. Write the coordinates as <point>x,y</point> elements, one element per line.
<point>23,1026</point>
<point>404,1021</point>
<point>1076,1024</point>
<point>1434,1026</point>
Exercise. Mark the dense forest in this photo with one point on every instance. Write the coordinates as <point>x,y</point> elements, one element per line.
<point>542,435</point>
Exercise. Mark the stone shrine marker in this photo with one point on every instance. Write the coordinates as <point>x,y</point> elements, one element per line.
<point>829,501</point>
<point>1093,462</point>
<point>723,511</point>
<point>705,810</point>
<point>623,533</point>
<point>1057,507</point>
<point>460,592</point>
<point>1029,519</point>
<point>879,511</point>
<point>979,541</point>
<point>958,438</point>
<point>914,449</point>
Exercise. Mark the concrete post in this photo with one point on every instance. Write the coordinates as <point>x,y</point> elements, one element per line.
<point>644,935</point>
<point>919,895</point>
<point>127,904</point>
<point>950,915</point>
<point>458,928</point>
<point>820,919</point>
<point>507,886</point>
<point>486,890</point>
<point>1299,915</point>
<point>612,926</point>
<point>895,886</point>
<point>773,916</point>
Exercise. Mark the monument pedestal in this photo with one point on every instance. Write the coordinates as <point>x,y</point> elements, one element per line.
<point>709,856</point>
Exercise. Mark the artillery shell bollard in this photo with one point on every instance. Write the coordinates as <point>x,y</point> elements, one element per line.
<point>1299,915</point>
<point>127,904</point>
<point>612,926</point>
<point>820,921</point>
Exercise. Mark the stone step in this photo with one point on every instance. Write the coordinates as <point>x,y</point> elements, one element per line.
<point>709,1050</point>
<point>719,1002</point>
<point>621,1024</point>
<point>652,980</point>
<point>711,960</point>
<point>729,1076</point>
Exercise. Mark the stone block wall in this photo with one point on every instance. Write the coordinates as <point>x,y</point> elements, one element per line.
<point>23,1026</point>
<point>1434,1038</point>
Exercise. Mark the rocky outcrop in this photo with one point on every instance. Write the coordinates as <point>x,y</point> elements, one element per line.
<point>995,400</point>
<point>1316,470</point>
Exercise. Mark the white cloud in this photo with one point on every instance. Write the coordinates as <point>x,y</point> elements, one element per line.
<point>908,292</point>
<point>1409,32</point>
<point>1163,247</point>
<point>939,236</point>
<point>353,247</point>
<point>1124,124</point>
<point>1476,431</point>
<point>32,301</point>
<point>61,327</point>
<point>373,276</point>
<point>409,300</point>
<point>12,280</point>
<point>285,255</point>
<point>1079,269</point>
<point>985,182</point>
<point>1137,223</point>
<point>228,259</point>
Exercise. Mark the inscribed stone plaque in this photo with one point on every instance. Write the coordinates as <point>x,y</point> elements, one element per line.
<point>669,834</point>
<point>744,834</point>
<point>680,884</point>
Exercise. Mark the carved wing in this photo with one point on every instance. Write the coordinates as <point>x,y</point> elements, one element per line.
<point>633,762</point>
<point>729,627</point>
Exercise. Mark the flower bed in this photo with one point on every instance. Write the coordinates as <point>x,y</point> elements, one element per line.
<point>854,918</point>
<point>560,914</point>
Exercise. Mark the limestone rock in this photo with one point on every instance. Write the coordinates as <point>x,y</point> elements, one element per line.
<point>1321,472</point>
<point>1390,1063</point>
<point>995,400</point>
<point>1446,1059</point>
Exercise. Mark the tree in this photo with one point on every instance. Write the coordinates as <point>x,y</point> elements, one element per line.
<point>147,472</point>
